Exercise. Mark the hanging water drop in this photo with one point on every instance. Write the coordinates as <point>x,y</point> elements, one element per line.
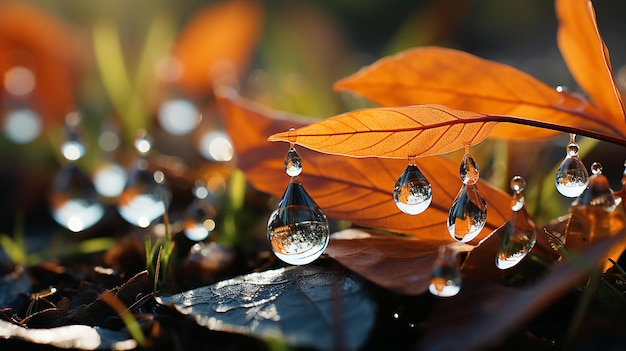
<point>73,200</point>
<point>521,235</point>
<point>73,147</point>
<point>468,213</point>
<point>412,192</point>
<point>297,229</point>
<point>445,280</point>
<point>198,221</point>
<point>571,177</point>
<point>145,196</point>
<point>598,192</point>
<point>293,162</point>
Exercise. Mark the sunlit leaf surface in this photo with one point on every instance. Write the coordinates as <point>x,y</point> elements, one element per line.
<point>463,81</point>
<point>587,57</point>
<point>394,132</point>
<point>305,306</point>
<point>78,337</point>
<point>358,190</point>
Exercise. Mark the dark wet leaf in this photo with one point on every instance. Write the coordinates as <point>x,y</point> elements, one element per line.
<point>12,286</point>
<point>305,306</point>
<point>400,264</point>
<point>80,337</point>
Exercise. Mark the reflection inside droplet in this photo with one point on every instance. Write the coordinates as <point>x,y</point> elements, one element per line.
<point>293,162</point>
<point>77,215</point>
<point>140,209</point>
<point>22,126</point>
<point>179,117</point>
<point>143,199</point>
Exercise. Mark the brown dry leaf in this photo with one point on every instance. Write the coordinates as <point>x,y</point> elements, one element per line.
<point>394,132</point>
<point>462,81</point>
<point>218,43</point>
<point>32,39</point>
<point>402,265</point>
<point>587,57</point>
<point>358,190</point>
<point>484,313</point>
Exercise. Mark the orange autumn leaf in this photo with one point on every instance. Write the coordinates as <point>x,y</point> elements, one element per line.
<point>394,132</point>
<point>217,43</point>
<point>587,57</point>
<point>463,81</point>
<point>358,190</point>
<point>32,39</point>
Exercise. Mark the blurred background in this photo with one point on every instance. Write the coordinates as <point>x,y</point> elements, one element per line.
<point>126,66</point>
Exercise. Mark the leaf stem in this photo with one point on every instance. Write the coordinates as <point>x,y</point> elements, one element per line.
<point>546,125</point>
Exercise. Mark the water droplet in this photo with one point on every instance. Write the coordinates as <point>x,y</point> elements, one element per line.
<point>412,193</point>
<point>297,229</point>
<point>598,192</point>
<point>445,280</point>
<point>596,168</point>
<point>468,213</point>
<point>517,185</point>
<point>520,236</point>
<point>293,162</point>
<point>73,200</point>
<point>469,171</point>
<point>73,147</point>
<point>198,220</point>
<point>143,142</point>
<point>571,177</point>
<point>143,199</point>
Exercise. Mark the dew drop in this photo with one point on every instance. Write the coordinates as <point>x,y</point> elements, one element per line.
<point>598,192</point>
<point>469,171</point>
<point>520,235</point>
<point>73,147</point>
<point>73,200</point>
<point>297,229</point>
<point>571,177</point>
<point>143,142</point>
<point>293,162</point>
<point>198,220</point>
<point>412,192</point>
<point>468,213</point>
<point>445,280</point>
<point>143,199</point>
